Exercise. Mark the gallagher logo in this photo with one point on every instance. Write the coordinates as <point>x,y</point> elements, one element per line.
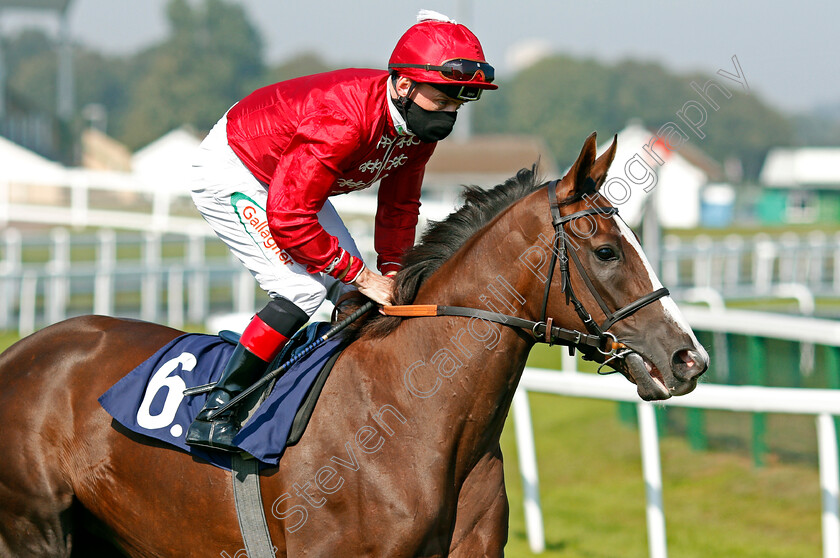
<point>253,217</point>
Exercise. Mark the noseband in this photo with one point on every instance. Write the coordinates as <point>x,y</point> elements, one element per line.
<point>597,337</point>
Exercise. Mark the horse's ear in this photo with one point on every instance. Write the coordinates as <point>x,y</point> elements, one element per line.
<point>576,178</point>
<point>602,164</point>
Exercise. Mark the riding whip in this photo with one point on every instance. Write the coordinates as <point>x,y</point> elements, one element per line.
<point>332,332</point>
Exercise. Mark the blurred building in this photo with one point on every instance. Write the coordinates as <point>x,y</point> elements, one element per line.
<point>27,177</point>
<point>49,133</point>
<point>166,162</point>
<point>800,185</point>
<point>485,161</point>
<point>39,130</point>
<point>100,151</point>
<point>676,181</point>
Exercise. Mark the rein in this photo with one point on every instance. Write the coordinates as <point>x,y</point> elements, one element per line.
<point>541,330</point>
<point>597,337</point>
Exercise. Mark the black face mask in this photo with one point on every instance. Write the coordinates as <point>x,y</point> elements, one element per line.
<point>428,125</point>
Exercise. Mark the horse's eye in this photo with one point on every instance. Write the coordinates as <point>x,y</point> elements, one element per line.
<point>606,253</point>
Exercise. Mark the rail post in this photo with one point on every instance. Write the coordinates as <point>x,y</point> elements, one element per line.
<point>151,277</point>
<point>175,297</point>
<point>758,377</point>
<point>58,287</point>
<point>9,267</point>
<point>827,435</point>
<point>197,295</point>
<point>832,366</point>
<point>106,263</point>
<point>528,470</point>
<point>652,470</point>
<point>28,301</point>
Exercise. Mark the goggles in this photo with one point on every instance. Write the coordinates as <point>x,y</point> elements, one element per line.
<point>460,92</point>
<point>457,70</point>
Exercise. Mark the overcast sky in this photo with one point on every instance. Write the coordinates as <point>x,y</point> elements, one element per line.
<point>788,50</point>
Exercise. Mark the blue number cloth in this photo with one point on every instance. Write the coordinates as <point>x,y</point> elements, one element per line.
<point>149,400</point>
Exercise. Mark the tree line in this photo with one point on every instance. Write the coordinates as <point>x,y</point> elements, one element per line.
<point>213,56</point>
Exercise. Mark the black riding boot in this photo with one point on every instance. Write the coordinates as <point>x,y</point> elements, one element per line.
<point>242,370</point>
<point>261,341</point>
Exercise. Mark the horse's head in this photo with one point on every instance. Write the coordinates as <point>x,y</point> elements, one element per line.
<point>601,271</point>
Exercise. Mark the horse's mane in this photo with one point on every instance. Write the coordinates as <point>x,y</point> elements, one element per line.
<point>443,238</point>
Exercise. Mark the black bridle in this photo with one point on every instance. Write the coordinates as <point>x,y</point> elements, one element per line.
<point>596,338</point>
<point>561,246</point>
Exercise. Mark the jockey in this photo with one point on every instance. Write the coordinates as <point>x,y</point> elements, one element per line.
<point>266,170</point>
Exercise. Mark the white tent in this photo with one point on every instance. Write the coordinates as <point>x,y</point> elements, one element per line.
<point>165,163</point>
<point>20,165</point>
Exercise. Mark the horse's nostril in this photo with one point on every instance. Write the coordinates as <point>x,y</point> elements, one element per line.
<point>688,364</point>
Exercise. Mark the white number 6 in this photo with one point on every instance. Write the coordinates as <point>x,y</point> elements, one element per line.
<point>162,379</point>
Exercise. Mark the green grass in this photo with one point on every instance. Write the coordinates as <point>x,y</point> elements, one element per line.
<point>7,338</point>
<point>593,496</point>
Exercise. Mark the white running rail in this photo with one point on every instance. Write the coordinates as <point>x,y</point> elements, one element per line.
<point>824,404</point>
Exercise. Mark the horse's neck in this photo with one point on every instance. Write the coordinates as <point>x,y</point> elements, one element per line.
<point>467,371</point>
<point>479,363</point>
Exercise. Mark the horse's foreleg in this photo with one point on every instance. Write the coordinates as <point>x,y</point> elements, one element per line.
<point>481,522</point>
<point>36,520</point>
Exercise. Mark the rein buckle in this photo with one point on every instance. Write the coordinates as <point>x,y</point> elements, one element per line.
<point>534,330</point>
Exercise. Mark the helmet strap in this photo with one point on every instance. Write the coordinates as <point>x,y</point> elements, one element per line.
<point>403,102</point>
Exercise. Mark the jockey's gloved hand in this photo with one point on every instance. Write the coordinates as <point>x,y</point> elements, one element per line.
<point>376,287</point>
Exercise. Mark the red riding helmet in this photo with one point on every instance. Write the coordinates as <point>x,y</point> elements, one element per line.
<point>445,53</point>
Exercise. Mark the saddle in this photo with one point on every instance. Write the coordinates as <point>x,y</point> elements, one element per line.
<point>163,395</point>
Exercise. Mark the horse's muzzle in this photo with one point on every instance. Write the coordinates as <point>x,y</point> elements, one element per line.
<point>688,364</point>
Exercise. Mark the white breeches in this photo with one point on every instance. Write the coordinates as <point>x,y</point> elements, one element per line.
<point>233,202</point>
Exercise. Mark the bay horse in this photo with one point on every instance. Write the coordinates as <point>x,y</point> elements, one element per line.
<point>401,457</point>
